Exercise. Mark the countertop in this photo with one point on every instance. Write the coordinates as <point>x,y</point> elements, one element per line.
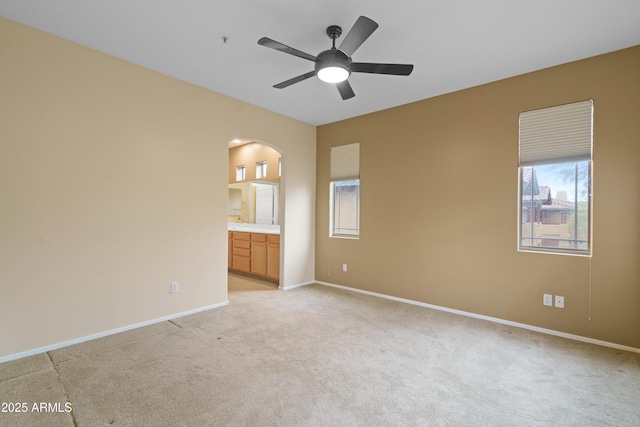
<point>254,228</point>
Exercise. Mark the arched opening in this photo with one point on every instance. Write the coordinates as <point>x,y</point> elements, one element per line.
<point>256,211</point>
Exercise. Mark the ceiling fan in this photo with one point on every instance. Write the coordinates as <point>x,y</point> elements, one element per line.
<point>335,65</point>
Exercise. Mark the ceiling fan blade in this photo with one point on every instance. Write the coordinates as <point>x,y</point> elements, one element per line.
<point>267,42</point>
<point>295,80</point>
<point>360,31</point>
<point>395,69</point>
<point>345,90</point>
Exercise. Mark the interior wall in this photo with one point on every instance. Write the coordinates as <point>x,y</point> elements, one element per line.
<point>248,155</point>
<point>439,203</point>
<point>114,183</point>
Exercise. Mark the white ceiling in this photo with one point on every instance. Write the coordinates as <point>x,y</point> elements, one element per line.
<point>454,44</point>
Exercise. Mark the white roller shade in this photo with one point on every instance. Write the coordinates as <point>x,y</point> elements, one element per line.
<point>345,162</point>
<point>556,134</point>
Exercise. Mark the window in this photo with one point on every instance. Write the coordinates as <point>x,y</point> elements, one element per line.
<point>345,191</point>
<point>345,197</point>
<point>555,179</point>
<point>240,173</point>
<point>261,170</point>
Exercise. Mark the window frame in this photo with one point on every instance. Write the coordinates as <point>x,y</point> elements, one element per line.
<point>241,173</point>
<point>332,211</point>
<point>261,169</point>
<point>550,249</point>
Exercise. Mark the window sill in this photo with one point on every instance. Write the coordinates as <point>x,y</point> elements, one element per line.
<point>550,251</point>
<point>345,237</point>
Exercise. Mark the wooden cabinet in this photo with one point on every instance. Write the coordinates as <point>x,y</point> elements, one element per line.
<point>259,254</point>
<point>241,252</point>
<point>255,253</point>
<point>273,257</point>
<point>230,250</point>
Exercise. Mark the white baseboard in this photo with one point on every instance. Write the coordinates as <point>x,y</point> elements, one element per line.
<point>106,333</point>
<point>490,319</point>
<point>288,288</point>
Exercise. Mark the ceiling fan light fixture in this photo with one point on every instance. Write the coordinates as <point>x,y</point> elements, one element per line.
<point>333,74</point>
<point>333,66</point>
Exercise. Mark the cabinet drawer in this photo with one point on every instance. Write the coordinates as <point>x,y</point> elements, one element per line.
<point>241,264</point>
<point>273,239</point>
<point>258,237</point>
<point>245,253</point>
<point>241,244</point>
<point>241,236</point>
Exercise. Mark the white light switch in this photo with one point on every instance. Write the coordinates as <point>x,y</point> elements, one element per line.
<point>175,287</point>
<point>559,301</point>
<point>547,299</point>
<point>344,267</point>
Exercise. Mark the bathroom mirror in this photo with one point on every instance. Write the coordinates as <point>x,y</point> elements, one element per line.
<point>235,202</point>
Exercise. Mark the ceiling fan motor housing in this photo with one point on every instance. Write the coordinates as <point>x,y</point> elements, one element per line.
<point>333,58</point>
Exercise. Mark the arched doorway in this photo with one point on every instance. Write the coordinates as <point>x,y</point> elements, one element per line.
<point>256,210</point>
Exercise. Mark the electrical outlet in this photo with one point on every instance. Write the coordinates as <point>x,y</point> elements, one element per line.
<point>344,267</point>
<point>175,287</point>
<point>559,301</point>
<point>547,299</point>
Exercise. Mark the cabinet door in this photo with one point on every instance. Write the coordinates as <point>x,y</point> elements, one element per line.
<point>273,257</point>
<point>241,263</point>
<point>258,254</point>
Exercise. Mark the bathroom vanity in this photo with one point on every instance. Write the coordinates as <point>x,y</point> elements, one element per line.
<point>255,250</point>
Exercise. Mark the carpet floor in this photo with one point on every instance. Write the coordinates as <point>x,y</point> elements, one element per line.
<point>319,356</point>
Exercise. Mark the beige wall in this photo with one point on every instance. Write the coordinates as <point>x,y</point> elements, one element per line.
<point>249,155</point>
<point>439,203</point>
<point>114,183</point>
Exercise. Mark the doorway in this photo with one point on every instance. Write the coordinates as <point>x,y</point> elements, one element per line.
<point>255,212</point>
<point>266,197</point>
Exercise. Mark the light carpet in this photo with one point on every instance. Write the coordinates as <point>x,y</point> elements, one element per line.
<point>319,356</point>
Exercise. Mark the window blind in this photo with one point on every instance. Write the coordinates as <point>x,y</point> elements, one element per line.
<point>345,162</point>
<point>556,134</point>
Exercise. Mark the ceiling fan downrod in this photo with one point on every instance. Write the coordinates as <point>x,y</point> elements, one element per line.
<point>334,31</point>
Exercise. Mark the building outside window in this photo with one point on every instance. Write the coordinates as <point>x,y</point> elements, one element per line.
<point>346,208</point>
<point>555,206</point>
